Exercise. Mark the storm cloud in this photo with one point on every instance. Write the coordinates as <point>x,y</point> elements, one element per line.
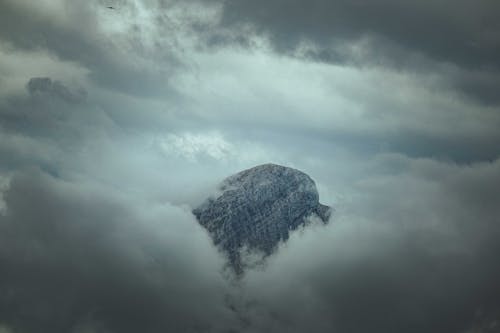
<point>115,123</point>
<point>457,38</point>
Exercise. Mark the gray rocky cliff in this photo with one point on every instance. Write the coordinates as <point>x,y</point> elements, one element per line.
<point>257,208</point>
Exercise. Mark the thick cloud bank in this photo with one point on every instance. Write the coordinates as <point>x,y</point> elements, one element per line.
<point>460,36</point>
<point>414,252</point>
<point>75,255</point>
<point>115,123</point>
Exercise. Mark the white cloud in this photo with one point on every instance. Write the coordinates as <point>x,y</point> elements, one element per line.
<point>191,146</point>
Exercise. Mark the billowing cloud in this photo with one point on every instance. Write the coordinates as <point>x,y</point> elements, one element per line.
<point>118,56</point>
<point>412,252</point>
<point>77,254</point>
<point>114,123</point>
<point>408,35</point>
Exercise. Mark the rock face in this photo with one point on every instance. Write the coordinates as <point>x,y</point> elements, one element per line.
<point>257,208</point>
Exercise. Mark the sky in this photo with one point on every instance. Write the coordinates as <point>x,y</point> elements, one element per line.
<point>116,123</point>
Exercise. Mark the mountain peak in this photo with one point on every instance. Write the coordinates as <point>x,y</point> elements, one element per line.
<point>257,208</point>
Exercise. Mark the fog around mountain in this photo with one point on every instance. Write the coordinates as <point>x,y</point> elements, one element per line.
<point>116,123</point>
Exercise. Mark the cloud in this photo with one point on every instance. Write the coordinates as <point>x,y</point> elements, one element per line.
<point>411,254</point>
<point>260,93</point>
<point>417,237</point>
<point>44,85</point>
<point>5,329</point>
<point>75,253</point>
<point>113,50</point>
<point>465,36</point>
<point>405,35</point>
<point>190,145</point>
<point>269,97</point>
<point>114,124</point>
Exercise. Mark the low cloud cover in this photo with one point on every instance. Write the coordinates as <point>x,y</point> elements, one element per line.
<point>115,123</point>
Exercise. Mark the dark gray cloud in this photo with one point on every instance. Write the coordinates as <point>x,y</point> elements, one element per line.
<point>406,35</point>
<point>414,249</point>
<point>39,128</point>
<point>48,104</point>
<point>467,35</point>
<point>101,162</point>
<point>45,86</point>
<point>78,254</point>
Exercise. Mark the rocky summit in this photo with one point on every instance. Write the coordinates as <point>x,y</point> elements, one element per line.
<point>257,208</point>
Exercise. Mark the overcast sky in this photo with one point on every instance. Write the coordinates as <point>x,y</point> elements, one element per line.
<point>115,123</point>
